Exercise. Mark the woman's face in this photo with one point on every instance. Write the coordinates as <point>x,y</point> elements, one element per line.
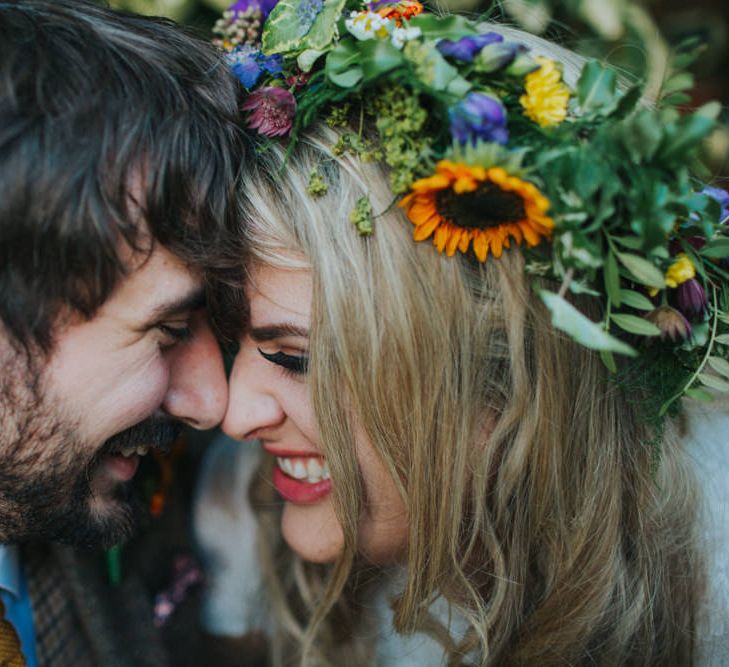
<point>270,402</point>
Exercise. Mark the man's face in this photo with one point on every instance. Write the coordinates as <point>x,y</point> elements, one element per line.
<point>72,432</point>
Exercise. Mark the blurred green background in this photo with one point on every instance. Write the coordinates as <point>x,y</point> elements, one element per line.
<point>634,35</point>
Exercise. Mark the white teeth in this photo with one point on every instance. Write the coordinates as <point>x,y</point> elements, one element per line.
<point>313,469</point>
<point>299,470</point>
<point>309,469</point>
<point>132,451</point>
<point>285,465</point>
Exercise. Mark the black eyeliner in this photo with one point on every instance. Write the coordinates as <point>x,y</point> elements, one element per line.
<point>296,364</point>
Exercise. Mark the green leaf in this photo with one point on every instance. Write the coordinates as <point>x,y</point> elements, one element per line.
<point>612,279</point>
<point>642,270</point>
<point>636,300</point>
<point>439,27</point>
<point>642,135</point>
<point>716,249</point>
<point>676,99</point>
<point>306,59</point>
<point>609,360</point>
<point>430,66</point>
<point>567,318</point>
<point>710,110</point>
<point>342,65</point>
<point>284,31</point>
<point>597,88</point>
<point>720,365</point>
<point>378,57</point>
<point>628,101</point>
<point>723,339</point>
<point>678,83</point>
<point>630,242</point>
<point>635,325</point>
<point>714,382</point>
<point>688,134</point>
<point>459,86</point>
<point>699,394</point>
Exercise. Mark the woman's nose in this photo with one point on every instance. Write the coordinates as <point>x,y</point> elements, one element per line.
<point>251,405</point>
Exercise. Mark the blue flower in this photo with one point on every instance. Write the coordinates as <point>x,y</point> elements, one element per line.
<point>244,64</point>
<point>248,63</point>
<point>272,64</point>
<point>467,48</point>
<point>478,116</point>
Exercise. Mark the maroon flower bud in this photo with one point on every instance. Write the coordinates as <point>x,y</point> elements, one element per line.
<point>271,110</point>
<point>691,299</point>
<point>672,323</point>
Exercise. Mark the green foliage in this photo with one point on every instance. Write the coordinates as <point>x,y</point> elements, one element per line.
<point>285,32</point>
<point>317,187</point>
<point>361,216</point>
<point>618,176</point>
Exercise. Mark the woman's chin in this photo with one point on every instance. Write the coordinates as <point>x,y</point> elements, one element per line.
<point>312,531</point>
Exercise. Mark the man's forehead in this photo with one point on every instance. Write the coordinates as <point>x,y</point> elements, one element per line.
<point>156,282</point>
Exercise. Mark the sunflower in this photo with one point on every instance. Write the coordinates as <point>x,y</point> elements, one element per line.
<point>461,203</point>
<point>546,98</point>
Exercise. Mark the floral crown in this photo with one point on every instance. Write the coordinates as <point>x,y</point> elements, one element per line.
<point>488,149</point>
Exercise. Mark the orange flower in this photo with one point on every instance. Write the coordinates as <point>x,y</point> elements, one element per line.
<point>405,9</point>
<point>461,204</point>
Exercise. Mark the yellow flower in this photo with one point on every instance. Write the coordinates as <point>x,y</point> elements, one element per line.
<point>461,204</point>
<point>546,97</point>
<point>680,271</point>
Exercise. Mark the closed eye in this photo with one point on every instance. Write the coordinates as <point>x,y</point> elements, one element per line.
<point>296,364</point>
<point>175,334</point>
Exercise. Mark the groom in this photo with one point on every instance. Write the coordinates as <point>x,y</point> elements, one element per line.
<point>118,169</point>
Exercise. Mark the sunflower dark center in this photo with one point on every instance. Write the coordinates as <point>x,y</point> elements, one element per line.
<point>487,206</point>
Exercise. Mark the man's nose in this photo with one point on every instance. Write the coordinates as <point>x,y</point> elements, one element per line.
<point>251,404</point>
<point>197,392</point>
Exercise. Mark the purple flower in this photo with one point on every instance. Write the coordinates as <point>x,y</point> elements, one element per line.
<point>691,299</point>
<point>264,6</point>
<point>467,48</point>
<point>673,324</point>
<point>478,116</point>
<point>722,196</point>
<point>272,111</point>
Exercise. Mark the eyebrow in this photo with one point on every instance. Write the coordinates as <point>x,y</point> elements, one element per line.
<point>186,303</point>
<point>274,331</point>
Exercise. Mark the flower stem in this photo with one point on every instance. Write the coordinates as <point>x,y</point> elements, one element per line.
<point>566,283</point>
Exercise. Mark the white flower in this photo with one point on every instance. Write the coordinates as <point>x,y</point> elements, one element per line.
<point>402,35</point>
<point>368,25</point>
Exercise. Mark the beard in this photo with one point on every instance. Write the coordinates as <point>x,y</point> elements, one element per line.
<point>47,470</point>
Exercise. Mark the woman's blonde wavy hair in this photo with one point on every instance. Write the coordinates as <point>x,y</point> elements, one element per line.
<point>535,504</point>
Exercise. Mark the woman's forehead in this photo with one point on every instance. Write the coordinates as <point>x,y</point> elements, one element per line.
<point>276,293</point>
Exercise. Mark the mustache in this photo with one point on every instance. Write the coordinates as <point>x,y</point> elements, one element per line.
<point>156,432</point>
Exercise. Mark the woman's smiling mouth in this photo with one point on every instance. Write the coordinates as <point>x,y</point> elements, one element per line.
<point>302,479</point>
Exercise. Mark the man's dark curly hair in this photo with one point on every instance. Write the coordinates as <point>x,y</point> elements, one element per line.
<point>111,126</point>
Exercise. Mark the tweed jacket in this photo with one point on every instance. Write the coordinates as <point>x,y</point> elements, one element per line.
<point>80,619</point>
